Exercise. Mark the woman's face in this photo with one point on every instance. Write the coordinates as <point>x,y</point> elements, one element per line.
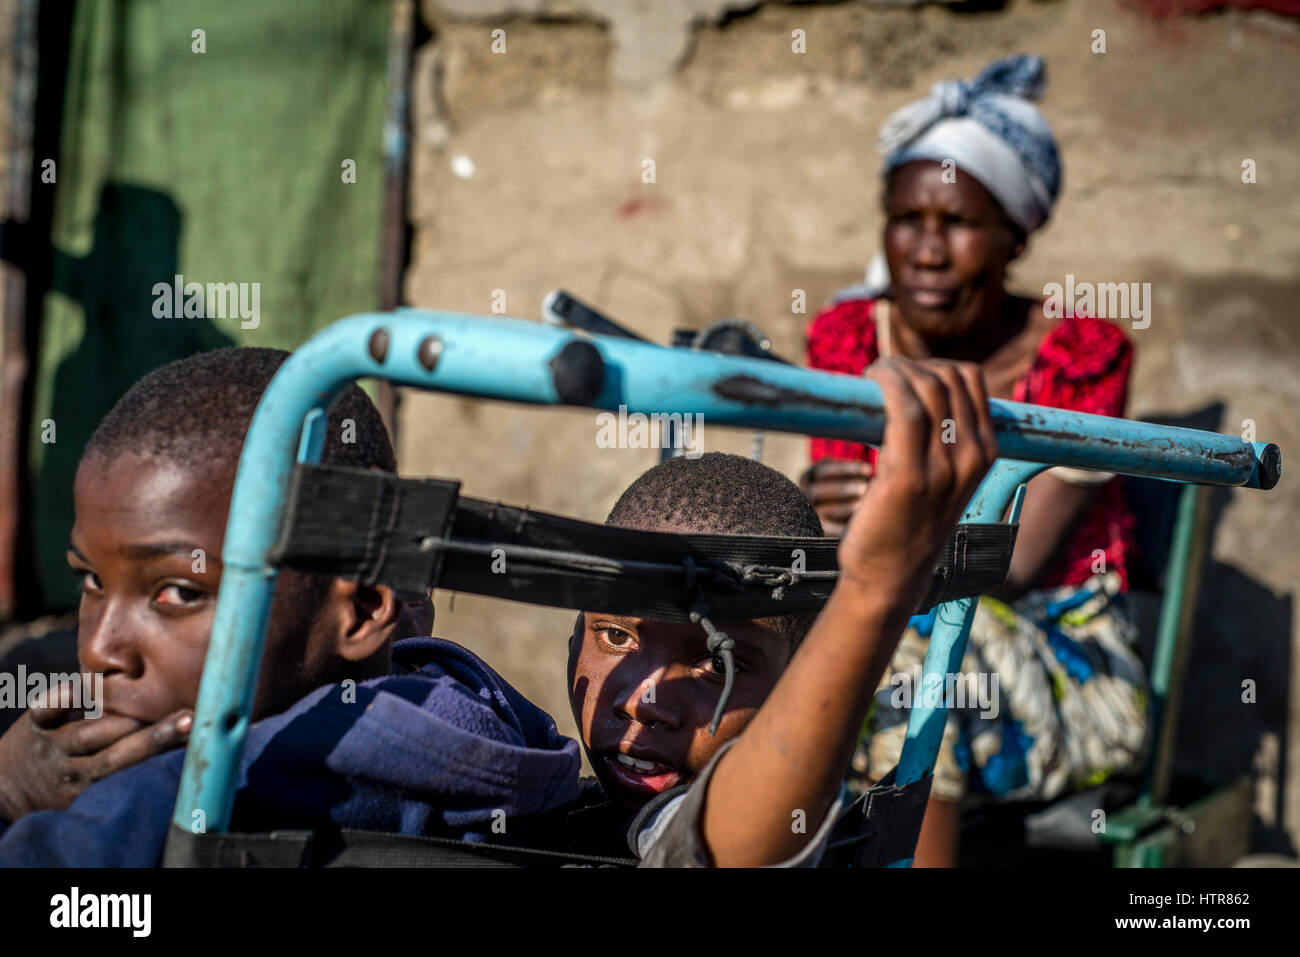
<point>948,245</point>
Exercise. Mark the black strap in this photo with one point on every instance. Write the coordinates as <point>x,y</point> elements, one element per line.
<point>889,822</point>
<point>416,534</point>
<point>350,848</point>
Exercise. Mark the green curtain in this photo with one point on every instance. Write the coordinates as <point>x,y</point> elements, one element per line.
<point>222,166</point>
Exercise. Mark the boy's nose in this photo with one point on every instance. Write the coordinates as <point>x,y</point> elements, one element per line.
<point>105,643</point>
<point>647,704</point>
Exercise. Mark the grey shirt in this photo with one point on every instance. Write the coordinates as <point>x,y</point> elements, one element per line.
<point>671,836</point>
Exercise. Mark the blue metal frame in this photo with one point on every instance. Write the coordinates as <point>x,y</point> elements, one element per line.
<point>1003,485</point>
<point>511,359</point>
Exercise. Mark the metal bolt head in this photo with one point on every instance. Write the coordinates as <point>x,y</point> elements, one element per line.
<point>379,345</point>
<point>430,352</point>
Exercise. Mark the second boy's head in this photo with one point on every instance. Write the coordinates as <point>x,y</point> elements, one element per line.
<point>152,495</point>
<point>643,692</point>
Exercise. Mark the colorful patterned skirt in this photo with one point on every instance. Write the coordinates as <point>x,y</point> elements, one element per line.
<point>1052,698</point>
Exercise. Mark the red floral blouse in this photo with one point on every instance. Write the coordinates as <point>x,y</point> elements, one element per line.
<point>1082,364</point>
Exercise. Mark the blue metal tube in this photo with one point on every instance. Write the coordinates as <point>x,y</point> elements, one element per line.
<point>381,344</point>
<point>943,657</point>
<point>522,361</point>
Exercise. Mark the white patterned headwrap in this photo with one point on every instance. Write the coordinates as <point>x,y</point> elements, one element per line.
<point>989,128</point>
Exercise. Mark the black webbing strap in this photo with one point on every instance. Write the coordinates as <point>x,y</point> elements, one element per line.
<point>889,820</point>
<point>417,534</point>
<point>349,848</point>
<point>366,526</point>
<point>889,824</point>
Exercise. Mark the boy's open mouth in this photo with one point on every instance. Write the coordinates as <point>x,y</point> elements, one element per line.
<point>639,775</point>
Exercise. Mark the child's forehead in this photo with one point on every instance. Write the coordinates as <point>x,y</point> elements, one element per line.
<point>133,496</point>
<point>133,469</point>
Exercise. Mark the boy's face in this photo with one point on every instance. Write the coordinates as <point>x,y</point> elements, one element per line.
<point>645,691</point>
<point>146,549</point>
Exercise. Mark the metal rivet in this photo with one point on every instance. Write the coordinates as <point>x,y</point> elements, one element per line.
<point>578,372</point>
<point>379,345</point>
<point>430,352</point>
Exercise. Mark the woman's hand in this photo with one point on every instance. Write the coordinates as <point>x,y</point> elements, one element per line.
<point>835,488</point>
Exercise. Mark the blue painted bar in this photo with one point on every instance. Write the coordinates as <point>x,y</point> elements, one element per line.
<point>948,638</point>
<point>742,392</point>
<point>514,355</point>
<point>514,360</point>
<point>1002,486</point>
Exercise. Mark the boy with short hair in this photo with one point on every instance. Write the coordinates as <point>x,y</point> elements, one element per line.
<point>364,748</point>
<point>643,692</point>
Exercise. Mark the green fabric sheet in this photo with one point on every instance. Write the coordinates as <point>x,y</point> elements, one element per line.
<point>222,166</point>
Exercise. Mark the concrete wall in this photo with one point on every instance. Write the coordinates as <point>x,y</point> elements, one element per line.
<point>527,175</point>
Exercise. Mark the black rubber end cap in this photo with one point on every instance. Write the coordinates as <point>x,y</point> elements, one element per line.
<point>1270,466</point>
<point>578,372</point>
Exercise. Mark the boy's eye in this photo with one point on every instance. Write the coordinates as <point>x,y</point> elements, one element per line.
<point>87,580</point>
<point>717,665</point>
<point>178,595</point>
<point>615,638</point>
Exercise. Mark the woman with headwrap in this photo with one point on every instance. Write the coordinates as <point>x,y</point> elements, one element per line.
<point>970,172</point>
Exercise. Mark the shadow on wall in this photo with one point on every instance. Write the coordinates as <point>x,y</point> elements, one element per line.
<point>1238,340</point>
<point>1220,727</point>
<point>136,245</point>
<point>1241,632</point>
<point>1243,635</point>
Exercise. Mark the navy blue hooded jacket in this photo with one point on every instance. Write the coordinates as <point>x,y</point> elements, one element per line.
<point>443,746</point>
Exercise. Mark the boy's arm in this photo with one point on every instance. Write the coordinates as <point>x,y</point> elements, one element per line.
<point>938,443</point>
